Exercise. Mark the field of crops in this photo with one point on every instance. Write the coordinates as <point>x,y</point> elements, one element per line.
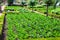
<point>25,25</point>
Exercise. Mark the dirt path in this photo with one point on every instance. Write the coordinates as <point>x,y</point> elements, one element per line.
<point>0,14</point>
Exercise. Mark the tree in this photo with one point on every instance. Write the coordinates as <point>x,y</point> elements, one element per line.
<point>23,3</point>
<point>32,4</point>
<point>55,4</point>
<point>10,2</point>
<point>48,3</point>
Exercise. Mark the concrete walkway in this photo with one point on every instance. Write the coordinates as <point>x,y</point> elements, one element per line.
<point>2,8</point>
<point>0,14</point>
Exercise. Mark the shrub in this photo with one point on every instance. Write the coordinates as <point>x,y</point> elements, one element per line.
<point>57,13</point>
<point>45,12</point>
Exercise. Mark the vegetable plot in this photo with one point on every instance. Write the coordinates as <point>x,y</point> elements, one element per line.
<point>25,25</point>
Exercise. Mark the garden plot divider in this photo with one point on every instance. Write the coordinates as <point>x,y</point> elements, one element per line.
<point>3,37</point>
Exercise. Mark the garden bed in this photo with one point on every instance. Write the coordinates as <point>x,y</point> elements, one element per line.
<point>28,25</point>
<point>51,12</point>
